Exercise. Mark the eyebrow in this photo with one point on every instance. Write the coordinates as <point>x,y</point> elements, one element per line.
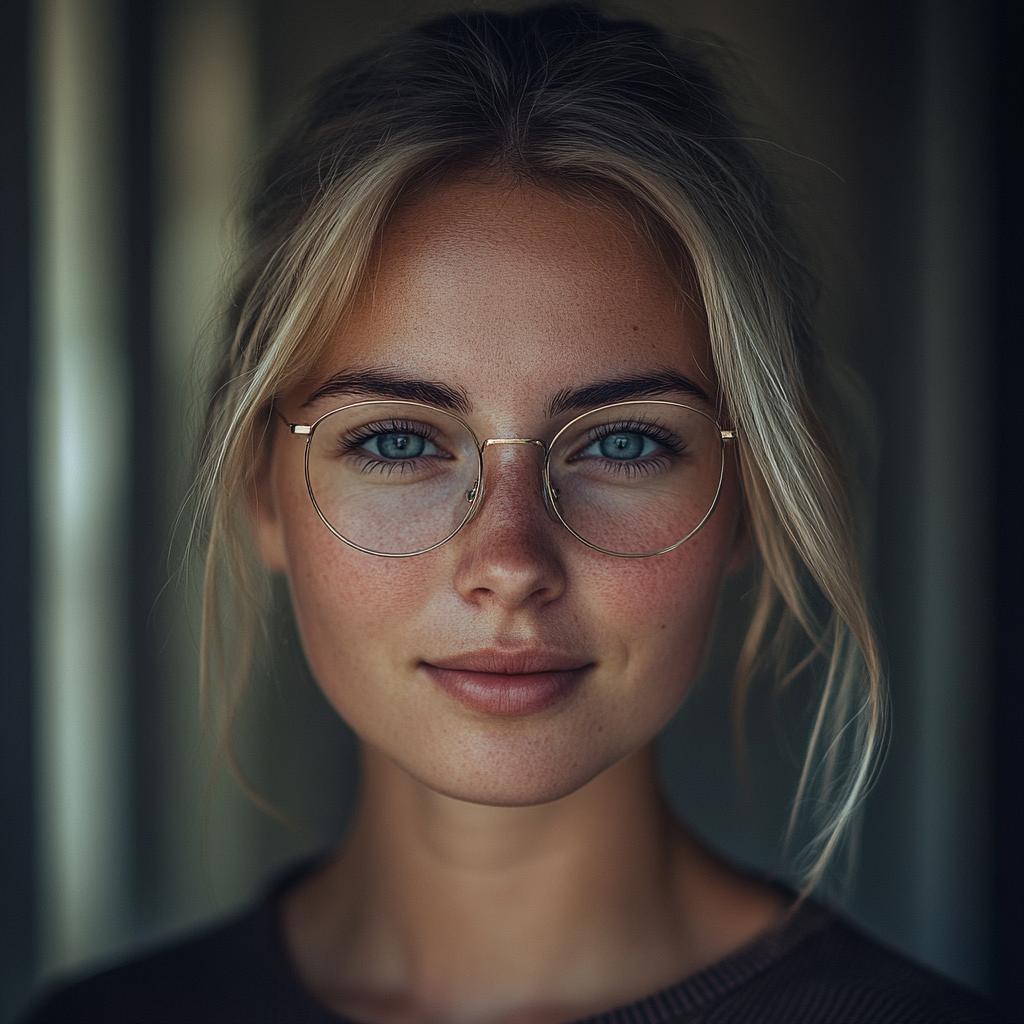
<point>385,382</point>
<point>623,389</point>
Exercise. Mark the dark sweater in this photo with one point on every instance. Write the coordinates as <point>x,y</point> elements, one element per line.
<point>813,969</point>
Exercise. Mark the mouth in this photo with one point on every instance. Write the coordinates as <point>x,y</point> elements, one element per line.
<point>502,683</point>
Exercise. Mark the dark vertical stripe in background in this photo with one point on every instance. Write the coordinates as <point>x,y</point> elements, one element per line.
<point>139,23</point>
<point>17,848</point>
<point>1009,683</point>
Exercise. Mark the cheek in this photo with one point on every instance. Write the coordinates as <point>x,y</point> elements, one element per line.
<point>676,593</point>
<point>661,612</point>
<point>351,609</point>
<point>341,603</point>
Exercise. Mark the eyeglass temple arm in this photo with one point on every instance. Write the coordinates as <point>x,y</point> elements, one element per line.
<point>295,428</point>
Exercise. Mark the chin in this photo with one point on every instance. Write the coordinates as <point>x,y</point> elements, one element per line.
<point>519,771</point>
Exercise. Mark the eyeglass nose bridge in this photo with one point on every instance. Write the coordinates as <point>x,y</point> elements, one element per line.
<point>476,494</point>
<point>514,440</point>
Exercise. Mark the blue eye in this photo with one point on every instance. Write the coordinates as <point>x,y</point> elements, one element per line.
<point>621,446</point>
<point>399,445</point>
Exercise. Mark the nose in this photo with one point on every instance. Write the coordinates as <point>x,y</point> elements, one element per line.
<point>510,552</point>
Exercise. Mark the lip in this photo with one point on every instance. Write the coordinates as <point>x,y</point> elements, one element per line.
<point>508,683</point>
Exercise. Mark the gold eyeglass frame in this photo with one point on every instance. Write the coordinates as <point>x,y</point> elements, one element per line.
<point>475,494</point>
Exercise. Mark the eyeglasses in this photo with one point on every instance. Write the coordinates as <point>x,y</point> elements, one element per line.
<point>632,479</point>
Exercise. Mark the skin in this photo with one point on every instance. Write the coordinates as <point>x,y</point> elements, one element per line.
<point>506,868</point>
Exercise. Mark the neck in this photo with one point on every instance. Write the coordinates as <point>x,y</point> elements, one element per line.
<point>436,909</point>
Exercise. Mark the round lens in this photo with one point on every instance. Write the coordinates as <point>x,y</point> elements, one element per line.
<point>636,478</point>
<point>392,478</point>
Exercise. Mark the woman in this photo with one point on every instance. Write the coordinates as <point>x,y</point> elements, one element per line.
<point>519,372</point>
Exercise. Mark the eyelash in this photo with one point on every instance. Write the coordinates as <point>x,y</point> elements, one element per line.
<point>667,440</point>
<point>664,437</point>
<point>353,444</point>
<point>364,434</point>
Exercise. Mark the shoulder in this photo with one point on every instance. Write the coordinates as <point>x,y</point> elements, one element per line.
<point>835,972</point>
<point>234,971</point>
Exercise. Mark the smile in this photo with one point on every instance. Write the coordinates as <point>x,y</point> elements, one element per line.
<point>498,683</point>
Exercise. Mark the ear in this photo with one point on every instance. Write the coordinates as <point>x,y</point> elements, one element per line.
<point>265,519</point>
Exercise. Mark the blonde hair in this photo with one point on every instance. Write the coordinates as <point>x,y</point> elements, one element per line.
<point>564,98</point>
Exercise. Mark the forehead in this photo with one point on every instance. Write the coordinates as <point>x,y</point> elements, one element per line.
<point>515,289</point>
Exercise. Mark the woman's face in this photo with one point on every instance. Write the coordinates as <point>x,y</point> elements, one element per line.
<point>512,664</point>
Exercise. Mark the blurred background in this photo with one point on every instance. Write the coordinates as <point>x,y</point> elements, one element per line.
<point>127,127</point>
